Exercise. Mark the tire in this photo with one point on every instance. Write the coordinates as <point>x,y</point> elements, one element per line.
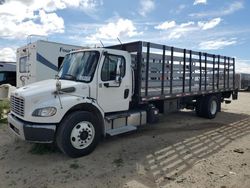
<point>210,107</point>
<point>78,134</point>
<point>152,114</point>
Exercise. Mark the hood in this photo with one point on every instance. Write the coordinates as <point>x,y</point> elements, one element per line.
<point>48,86</point>
<point>42,94</point>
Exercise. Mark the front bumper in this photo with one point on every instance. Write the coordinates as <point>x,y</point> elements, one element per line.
<point>33,132</point>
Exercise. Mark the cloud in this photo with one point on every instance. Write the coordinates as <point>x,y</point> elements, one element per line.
<point>8,54</point>
<point>37,17</point>
<point>196,2</point>
<point>216,44</point>
<point>112,30</point>
<point>181,30</point>
<point>146,6</point>
<point>179,9</point>
<point>48,23</point>
<point>175,31</point>
<point>242,66</point>
<point>210,24</point>
<point>90,7</point>
<point>166,25</point>
<point>233,7</point>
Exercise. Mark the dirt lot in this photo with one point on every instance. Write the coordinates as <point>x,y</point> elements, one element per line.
<point>180,151</point>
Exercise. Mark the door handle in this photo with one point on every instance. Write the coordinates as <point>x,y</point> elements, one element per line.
<point>126,92</point>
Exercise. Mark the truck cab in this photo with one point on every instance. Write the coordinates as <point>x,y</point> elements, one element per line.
<point>90,84</point>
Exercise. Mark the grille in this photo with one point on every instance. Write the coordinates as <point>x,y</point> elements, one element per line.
<point>17,105</point>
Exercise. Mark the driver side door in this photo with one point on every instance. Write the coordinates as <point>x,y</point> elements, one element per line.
<point>113,91</point>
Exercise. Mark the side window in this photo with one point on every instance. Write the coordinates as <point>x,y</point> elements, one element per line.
<point>2,76</point>
<point>110,65</point>
<point>23,67</point>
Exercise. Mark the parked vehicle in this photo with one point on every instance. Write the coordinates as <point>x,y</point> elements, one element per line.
<point>243,81</point>
<point>8,73</point>
<point>7,79</point>
<point>113,90</point>
<point>40,60</point>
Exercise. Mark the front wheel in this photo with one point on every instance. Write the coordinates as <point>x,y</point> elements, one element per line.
<point>78,134</point>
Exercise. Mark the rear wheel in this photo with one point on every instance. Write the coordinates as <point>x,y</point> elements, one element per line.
<point>207,106</point>
<point>78,134</point>
<point>210,107</point>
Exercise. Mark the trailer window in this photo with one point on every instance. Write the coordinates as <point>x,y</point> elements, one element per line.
<point>23,64</point>
<point>109,67</point>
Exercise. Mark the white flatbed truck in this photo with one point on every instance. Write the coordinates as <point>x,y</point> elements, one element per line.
<point>113,90</point>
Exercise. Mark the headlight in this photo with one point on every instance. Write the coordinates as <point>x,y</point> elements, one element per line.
<point>45,112</point>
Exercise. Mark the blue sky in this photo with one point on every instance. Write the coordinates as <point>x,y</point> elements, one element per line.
<point>214,26</point>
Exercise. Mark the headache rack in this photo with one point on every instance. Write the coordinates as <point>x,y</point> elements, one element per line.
<point>163,72</point>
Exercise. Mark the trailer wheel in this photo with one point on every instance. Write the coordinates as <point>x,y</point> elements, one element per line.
<point>78,134</point>
<point>210,107</point>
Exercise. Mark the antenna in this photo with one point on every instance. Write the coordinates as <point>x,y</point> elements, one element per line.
<point>29,37</point>
<point>119,40</point>
<point>102,43</point>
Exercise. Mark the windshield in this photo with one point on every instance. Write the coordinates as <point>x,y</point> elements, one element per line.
<point>79,66</point>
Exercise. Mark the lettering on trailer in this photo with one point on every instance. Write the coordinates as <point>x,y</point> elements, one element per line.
<point>45,62</point>
<point>66,50</point>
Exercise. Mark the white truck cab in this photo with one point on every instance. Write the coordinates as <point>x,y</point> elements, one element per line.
<point>113,90</point>
<point>97,81</point>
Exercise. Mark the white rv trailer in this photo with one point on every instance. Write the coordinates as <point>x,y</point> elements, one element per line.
<point>40,60</point>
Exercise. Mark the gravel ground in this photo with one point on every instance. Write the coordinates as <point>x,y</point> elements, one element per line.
<point>182,150</point>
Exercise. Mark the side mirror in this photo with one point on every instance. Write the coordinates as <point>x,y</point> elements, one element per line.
<point>118,78</point>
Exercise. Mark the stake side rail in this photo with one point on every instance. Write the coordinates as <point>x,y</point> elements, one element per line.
<point>164,72</point>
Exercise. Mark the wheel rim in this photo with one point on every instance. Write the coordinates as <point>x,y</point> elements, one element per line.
<point>82,135</point>
<point>213,107</point>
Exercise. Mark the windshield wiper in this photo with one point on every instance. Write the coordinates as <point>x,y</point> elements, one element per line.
<point>69,77</point>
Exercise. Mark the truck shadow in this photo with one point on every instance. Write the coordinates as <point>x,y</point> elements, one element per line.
<point>166,162</point>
